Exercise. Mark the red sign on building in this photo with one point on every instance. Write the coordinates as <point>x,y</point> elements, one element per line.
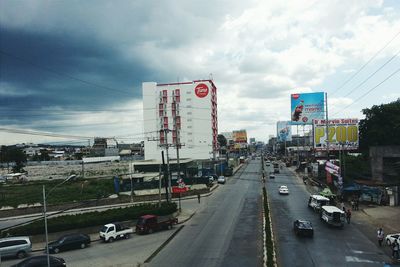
<point>201,90</point>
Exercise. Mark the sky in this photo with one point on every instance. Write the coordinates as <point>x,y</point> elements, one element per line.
<point>73,70</point>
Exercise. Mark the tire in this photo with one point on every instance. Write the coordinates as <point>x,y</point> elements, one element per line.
<point>21,254</point>
<point>56,250</point>
<point>83,245</point>
<point>111,239</point>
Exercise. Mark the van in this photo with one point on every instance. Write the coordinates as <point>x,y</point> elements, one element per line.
<point>317,201</point>
<point>18,246</point>
<point>332,215</point>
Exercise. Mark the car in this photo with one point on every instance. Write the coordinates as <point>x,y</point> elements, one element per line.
<point>41,260</point>
<point>68,242</point>
<point>303,228</point>
<point>221,179</point>
<point>17,246</point>
<point>272,176</point>
<point>390,238</point>
<point>283,190</point>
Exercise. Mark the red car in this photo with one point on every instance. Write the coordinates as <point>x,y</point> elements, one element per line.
<point>148,224</point>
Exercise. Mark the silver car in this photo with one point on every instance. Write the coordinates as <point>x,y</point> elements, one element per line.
<point>17,246</point>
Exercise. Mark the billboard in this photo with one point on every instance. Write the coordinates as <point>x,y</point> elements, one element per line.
<point>284,131</point>
<point>239,136</point>
<point>343,134</point>
<point>306,107</point>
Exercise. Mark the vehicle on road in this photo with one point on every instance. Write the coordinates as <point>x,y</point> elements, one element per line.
<point>317,201</point>
<point>272,176</point>
<point>221,179</point>
<point>148,224</point>
<point>390,238</point>
<point>17,246</point>
<point>114,231</point>
<point>303,228</point>
<point>283,190</point>
<point>276,170</point>
<point>332,215</point>
<point>68,242</point>
<point>41,260</point>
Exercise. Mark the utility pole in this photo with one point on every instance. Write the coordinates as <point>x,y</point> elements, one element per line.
<point>327,127</point>
<point>166,131</point>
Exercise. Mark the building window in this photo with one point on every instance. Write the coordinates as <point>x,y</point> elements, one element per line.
<point>188,99</point>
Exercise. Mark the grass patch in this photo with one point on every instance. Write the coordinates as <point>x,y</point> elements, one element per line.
<point>78,190</point>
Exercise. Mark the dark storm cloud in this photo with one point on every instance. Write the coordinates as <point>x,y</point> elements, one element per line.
<point>40,70</point>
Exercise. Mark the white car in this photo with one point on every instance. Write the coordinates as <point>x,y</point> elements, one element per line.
<point>283,190</point>
<point>391,237</point>
<point>221,180</point>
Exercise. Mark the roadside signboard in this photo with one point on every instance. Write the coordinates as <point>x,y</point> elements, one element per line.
<point>177,189</point>
<point>306,106</point>
<point>284,131</point>
<point>342,133</point>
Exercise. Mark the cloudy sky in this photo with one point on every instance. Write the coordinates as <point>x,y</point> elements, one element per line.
<point>72,70</point>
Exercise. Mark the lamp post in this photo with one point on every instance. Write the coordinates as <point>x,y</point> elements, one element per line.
<point>45,214</point>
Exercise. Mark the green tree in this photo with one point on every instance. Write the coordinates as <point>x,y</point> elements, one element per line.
<point>381,126</point>
<point>13,154</point>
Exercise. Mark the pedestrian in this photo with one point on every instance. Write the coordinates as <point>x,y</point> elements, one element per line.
<point>353,204</point>
<point>348,216</point>
<point>198,197</point>
<point>380,236</point>
<point>395,249</point>
<point>357,204</point>
<point>342,206</point>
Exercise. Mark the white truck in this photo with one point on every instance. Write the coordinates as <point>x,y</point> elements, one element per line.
<point>114,231</point>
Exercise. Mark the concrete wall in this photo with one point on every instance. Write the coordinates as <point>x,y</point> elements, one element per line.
<point>377,155</point>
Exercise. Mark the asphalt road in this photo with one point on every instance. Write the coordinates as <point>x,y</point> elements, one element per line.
<point>329,247</point>
<point>226,230</point>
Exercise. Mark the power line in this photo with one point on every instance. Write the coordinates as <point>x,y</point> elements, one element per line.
<point>64,74</point>
<point>370,90</point>
<point>381,67</point>
<point>363,66</point>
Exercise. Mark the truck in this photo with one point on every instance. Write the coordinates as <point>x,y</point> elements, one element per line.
<point>114,231</point>
<point>148,224</point>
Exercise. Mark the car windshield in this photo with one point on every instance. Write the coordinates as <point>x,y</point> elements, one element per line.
<point>141,221</point>
<point>104,229</point>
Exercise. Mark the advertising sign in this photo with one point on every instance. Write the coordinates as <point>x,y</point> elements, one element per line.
<point>342,134</point>
<point>201,90</point>
<point>284,131</point>
<point>240,136</point>
<point>306,107</point>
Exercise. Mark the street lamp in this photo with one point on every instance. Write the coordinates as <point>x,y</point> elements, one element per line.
<point>45,215</point>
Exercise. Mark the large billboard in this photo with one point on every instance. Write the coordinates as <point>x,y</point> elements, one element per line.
<point>343,134</point>
<point>284,131</point>
<point>239,136</point>
<point>306,107</point>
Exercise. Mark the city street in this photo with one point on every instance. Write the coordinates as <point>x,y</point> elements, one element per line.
<point>329,246</point>
<point>226,230</point>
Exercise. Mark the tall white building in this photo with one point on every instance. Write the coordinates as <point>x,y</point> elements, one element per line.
<point>180,113</point>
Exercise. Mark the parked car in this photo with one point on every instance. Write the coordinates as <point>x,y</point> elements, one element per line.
<point>221,179</point>
<point>283,190</point>
<point>113,231</point>
<point>303,228</point>
<point>148,224</point>
<point>41,260</point>
<point>390,238</point>
<point>17,246</point>
<point>68,242</point>
<point>272,176</point>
